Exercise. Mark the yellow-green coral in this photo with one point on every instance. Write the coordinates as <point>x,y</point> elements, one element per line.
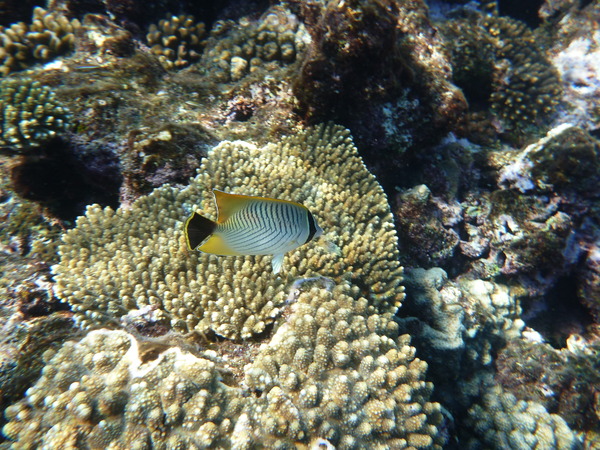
<point>335,372</point>
<point>50,34</point>
<point>236,49</point>
<point>118,261</point>
<point>176,40</point>
<point>29,113</point>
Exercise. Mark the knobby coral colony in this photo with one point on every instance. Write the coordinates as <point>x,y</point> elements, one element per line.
<point>29,113</point>
<point>48,35</point>
<point>498,63</point>
<point>332,369</point>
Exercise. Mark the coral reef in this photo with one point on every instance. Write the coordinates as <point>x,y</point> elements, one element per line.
<point>463,320</point>
<point>565,381</point>
<point>176,40</point>
<point>117,261</point>
<point>441,241</point>
<point>363,54</point>
<point>48,35</point>
<point>499,64</point>
<point>30,114</point>
<point>335,371</point>
<point>234,50</point>
<point>566,161</point>
<point>502,421</point>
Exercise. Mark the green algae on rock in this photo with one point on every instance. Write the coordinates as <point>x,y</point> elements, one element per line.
<point>30,114</point>
<point>114,262</point>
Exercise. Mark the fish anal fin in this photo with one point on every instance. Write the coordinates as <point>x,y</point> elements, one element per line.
<point>217,246</point>
<point>277,263</point>
<point>197,229</point>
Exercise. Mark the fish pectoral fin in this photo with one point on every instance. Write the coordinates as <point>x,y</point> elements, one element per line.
<point>277,263</point>
<point>330,247</point>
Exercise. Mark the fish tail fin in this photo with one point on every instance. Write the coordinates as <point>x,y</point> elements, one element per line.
<point>197,229</point>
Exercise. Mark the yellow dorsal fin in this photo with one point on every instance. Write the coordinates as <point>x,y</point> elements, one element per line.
<point>228,204</point>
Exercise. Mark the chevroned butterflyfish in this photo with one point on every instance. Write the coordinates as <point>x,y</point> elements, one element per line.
<point>252,226</point>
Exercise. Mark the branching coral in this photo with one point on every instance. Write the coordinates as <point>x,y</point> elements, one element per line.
<point>29,113</point>
<point>336,370</point>
<point>100,391</point>
<point>116,261</point>
<point>50,34</point>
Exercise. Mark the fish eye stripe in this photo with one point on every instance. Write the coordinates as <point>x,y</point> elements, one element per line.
<point>312,227</point>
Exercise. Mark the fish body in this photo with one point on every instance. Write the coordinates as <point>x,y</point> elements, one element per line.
<point>249,225</point>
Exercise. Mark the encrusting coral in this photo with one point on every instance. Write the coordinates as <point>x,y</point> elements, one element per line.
<point>29,113</point>
<point>335,372</point>
<point>114,262</point>
<point>21,45</point>
<point>176,40</point>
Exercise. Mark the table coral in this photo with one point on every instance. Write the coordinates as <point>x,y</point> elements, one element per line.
<point>50,34</point>
<point>30,113</point>
<point>117,261</point>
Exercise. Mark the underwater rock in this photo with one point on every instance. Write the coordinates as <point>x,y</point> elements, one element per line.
<point>565,381</point>
<point>424,228</point>
<point>364,54</point>
<point>154,157</point>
